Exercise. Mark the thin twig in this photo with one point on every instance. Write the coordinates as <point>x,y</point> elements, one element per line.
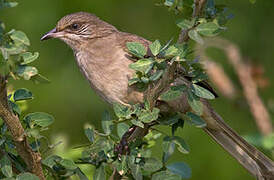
<point>243,71</point>
<point>31,158</point>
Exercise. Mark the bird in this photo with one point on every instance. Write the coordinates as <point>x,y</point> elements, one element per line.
<point>101,53</point>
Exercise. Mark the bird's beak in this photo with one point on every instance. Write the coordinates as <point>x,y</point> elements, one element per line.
<point>52,34</point>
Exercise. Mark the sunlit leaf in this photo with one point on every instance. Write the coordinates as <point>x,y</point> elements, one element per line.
<point>142,65</point>
<point>136,49</point>
<point>19,36</point>
<point>28,57</point>
<point>27,71</point>
<point>185,24</point>
<point>121,111</point>
<point>193,34</point>
<point>155,47</point>
<point>7,4</point>
<point>171,51</point>
<point>137,123</point>
<point>208,29</point>
<point>148,116</point>
<point>202,92</point>
<point>182,145</point>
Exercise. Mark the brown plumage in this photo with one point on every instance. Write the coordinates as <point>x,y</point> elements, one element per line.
<point>100,51</point>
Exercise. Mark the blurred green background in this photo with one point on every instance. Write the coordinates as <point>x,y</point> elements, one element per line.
<point>73,104</point>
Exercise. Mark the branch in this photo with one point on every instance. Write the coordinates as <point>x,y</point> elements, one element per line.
<point>31,158</point>
<point>198,9</point>
<point>243,71</point>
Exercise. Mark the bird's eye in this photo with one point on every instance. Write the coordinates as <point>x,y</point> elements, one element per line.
<point>75,26</point>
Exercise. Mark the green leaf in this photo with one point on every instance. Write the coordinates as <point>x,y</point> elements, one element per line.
<point>80,174</point>
<point>20,36</point>
<point>68,164</point>
<point>202,92</point>
<point>193,34</point>
<point>15,108</point>
<point>26,71</point>
<point>181,169</point>
<point>165,175</point>
<point>195,103</point>
<point>137,123</point>
<point>182,145</point>
<point>107,123</point>
<point>122,129</point>
<point>155,47</point>
<point>121,111</point>
<point>173,93</point>
<point>8,4</point>
<point>171,51</point>
<point>28,57</point>
<point>133,81</point>
<point>252,1</point>
<point>268,141</point>
<point>142,65</point>
<point>208,29</point>
<point>156,75</point>
<point>169,2</point>
<point>185,24</point>
<point>196,120</point>
<point>22,94</point>
<point>27,176</point>
<point>99,173</point>
<point>6,167</point>
<point>136,49</point>
<point>152,164</point>
<point>148,116</point>
<point>39,118</point>
<point>51,160</point>
<point>136,171</point>
<point>168,147</point>
<point>89,134</point>
<point>145,80</point>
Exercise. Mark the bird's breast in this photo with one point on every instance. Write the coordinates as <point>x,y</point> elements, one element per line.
<point>108,76</point>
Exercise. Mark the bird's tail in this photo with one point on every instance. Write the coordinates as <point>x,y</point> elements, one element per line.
<point>248,156</point>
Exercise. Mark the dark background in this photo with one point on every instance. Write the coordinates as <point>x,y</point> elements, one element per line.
<point>73,104</point>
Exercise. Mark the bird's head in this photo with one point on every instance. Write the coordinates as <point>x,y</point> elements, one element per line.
<point>77,28</point>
